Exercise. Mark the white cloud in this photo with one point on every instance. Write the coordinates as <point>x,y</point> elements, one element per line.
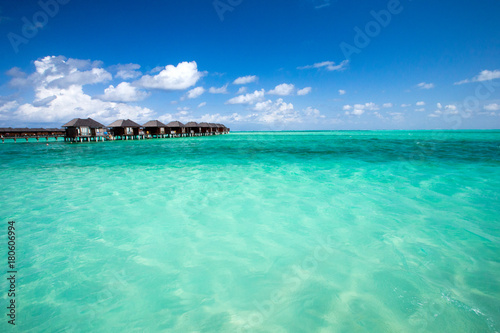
<point>278,111</point>
<point>126,72</point>
<point>420,103</point>
<point>275,114</point>
<point>423,85</point>
<point>387,105</point>
<point>242,90</point>
<point>357,112</point>
<point>195,93</point>
<point>251,98</point>
<point>245,79</point>
<point>61,72</point>
<point>221,90</point>
<point>311,112</point>
<point>492,107</point>
<point>420,109</point>
<point>202,104</point>
<point>283,89</point>
<point>359,109</point>
<point>58,85</point>
<point>342,92</point>
<point>405,105</point>
<point>304,91</point>
<point>179,77</point>
<point>72,103</point>
<point>485,75</point>
<point>124,92</point>
<point>329,65</point>
<point>11,105</point>
<point>448,109</point>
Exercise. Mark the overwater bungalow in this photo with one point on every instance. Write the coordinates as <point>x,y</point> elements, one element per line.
<point>155,129</point>
<point>193,128</point>
<point>205,128</point>
<point>84,130</point>
<point>176,128</point>
<point>81,130</point>
<point>124,129</point>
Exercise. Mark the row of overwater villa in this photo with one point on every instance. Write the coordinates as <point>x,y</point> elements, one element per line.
<point>81,130</point>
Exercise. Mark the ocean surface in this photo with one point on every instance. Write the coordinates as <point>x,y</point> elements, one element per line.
<point>362,231</point>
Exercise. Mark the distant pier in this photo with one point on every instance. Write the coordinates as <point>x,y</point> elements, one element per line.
<point>15,134</point>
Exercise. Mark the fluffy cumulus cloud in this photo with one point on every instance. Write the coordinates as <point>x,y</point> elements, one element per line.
<point>61,72</point>
<point>250,98</point>
<point>492,107</point>
<point>195,93</point>
<point>304,91</point>
<point>387,105</point>
<point>420,103</point>
<point>359,109</point>
<point>202,104</point>
<point>342,92</point>
<point>328,65</point>
<point>180,77</point>
<point>242,90</point>
<point>283,89</point>
<point>278,111</point>
<point>246,79</point>
<point>424,85</point>
<point>58,86</point>
<point>221,90</point>
<point>485,75</point>
<point>123,92</point>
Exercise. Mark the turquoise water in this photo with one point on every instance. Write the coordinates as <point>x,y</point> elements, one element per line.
<point>257,232</point>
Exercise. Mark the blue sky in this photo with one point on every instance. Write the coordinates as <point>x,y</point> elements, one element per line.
<point>253,65</point>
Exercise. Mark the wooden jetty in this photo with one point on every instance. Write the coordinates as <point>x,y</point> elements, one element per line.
<point>30,133</point>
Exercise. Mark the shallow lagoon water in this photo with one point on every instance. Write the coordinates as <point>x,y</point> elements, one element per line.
<point>376,231</point>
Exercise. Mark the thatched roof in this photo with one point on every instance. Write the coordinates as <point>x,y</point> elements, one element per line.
<point>203,125</point>
<point>154,123</point>
<point>175,124</point>
<point>124,123</point>
<point>192,124</point>
<point>78,122</point>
